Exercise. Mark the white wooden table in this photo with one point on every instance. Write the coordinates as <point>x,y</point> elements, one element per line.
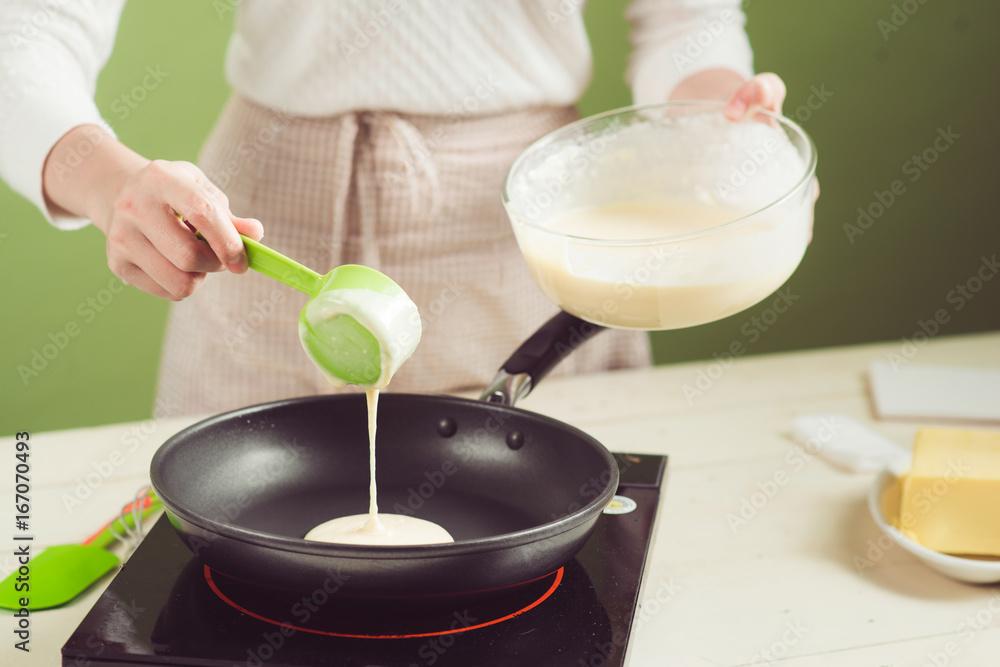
<point>782,588</point>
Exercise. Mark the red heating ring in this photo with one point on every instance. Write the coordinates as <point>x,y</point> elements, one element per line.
<point>544,596</point>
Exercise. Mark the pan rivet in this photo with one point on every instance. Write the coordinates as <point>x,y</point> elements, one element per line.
<point>515,440</point>
<point>447,427</point>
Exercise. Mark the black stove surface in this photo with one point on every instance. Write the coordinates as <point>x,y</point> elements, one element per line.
<point>167,608</point>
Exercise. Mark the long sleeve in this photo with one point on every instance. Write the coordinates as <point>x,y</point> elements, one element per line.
<point>672,39</point>
<point>50,56</point>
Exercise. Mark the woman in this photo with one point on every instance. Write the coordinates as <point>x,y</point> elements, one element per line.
<point>373,133</point>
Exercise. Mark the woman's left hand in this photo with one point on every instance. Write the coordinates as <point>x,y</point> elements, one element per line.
<point>763,91</point>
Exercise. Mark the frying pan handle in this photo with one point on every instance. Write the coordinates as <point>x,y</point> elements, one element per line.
<point>538,355</point>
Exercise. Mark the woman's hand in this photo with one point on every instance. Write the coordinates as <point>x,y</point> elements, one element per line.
<point>132,200</point>
<point>149,247</point>
<point>764,91</point>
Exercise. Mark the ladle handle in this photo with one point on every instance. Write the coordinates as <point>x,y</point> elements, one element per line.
<point>283,269</point>
<point>273,264</point>
<point>538,355</point>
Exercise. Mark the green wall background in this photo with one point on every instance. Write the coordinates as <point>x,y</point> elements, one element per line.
<point>891,93</point>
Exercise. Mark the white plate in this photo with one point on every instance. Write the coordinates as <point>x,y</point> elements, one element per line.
<point>883,504</point>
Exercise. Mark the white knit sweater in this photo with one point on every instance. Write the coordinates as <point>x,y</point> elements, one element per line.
<point>324,57</point>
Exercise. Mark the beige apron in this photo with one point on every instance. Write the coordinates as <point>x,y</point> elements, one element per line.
<point>417,197</point>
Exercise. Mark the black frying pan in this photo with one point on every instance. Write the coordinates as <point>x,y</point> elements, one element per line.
<point>520,492</point>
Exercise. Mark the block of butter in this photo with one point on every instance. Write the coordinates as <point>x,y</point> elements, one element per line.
<point>951,497</point>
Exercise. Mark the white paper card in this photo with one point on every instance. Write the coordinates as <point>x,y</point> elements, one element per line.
<point>915,391</point>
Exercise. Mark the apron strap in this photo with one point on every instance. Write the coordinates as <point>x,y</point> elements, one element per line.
<point>415,155</point>
<point>342,173</point>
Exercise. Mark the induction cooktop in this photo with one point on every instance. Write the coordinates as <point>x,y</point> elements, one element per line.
<point>165,607</point>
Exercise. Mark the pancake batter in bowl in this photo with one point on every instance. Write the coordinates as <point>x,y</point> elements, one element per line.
<point>666,285</point>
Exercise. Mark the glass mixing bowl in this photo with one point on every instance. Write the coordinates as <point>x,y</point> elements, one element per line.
<point>663,216</point>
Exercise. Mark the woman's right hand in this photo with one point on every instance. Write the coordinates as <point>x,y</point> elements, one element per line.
<point>133,201</point>
<point>150,247</point>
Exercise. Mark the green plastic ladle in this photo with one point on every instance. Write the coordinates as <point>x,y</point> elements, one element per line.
<point>341,346</point>
<point>60,573</point>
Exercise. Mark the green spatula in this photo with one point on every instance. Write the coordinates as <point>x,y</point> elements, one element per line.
<point>59,574</point>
